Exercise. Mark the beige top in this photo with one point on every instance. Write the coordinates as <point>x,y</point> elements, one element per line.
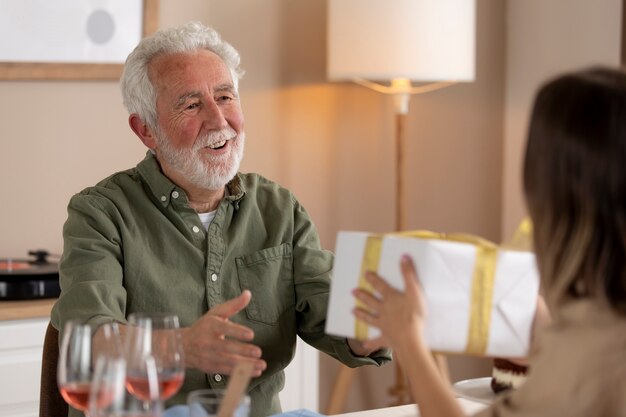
<point>579,368</point>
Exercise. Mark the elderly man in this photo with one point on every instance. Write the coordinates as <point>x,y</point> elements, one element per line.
<point>234,255</point>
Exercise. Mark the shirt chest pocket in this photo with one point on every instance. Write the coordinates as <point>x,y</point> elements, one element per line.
<point>268,274</point>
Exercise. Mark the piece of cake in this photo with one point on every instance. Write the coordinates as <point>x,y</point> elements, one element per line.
<point>507,375</point>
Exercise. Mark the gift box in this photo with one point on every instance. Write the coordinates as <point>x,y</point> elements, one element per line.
<point>480,297</point>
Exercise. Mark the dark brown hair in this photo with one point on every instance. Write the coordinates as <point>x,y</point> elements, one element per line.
<point>575,186</point>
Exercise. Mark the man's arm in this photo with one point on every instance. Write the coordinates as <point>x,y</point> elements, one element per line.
<point>312,274</point>
<point>90,271</point>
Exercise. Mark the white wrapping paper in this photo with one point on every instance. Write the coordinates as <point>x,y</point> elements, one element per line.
<point>504,307</point>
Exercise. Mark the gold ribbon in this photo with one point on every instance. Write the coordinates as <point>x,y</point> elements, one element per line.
<point>523,236</point>
<point>482,283</point>
<point>371,258</point>
<point>482,296</point>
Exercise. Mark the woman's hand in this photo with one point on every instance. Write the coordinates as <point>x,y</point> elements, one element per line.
<point>398,314</point>
<point>400,317</point>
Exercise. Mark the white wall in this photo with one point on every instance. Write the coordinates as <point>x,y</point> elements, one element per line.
<point>546,37</point>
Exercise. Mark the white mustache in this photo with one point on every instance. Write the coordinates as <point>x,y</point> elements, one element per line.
<point>215,136</point>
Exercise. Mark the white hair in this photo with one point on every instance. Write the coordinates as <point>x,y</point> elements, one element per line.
<point>138,91</point>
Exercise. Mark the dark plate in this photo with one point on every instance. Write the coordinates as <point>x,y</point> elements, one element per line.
<point>24,267</point>
<point>22,279</point>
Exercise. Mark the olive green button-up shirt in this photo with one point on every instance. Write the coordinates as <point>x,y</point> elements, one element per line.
<point>132,244</point>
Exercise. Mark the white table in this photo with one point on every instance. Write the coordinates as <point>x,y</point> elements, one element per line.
<point>468,406</point>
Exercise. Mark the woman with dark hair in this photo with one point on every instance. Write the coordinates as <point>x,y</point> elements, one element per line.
<point>575,188</point>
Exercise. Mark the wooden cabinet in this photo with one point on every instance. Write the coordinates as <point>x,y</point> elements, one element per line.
<point>21,345</point>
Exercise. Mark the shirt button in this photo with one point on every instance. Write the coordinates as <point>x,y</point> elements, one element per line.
<point>163,198</point>
<point>213,277</point>
<point>217,378</point>
<point>195,229</point>
<point>175,194</point>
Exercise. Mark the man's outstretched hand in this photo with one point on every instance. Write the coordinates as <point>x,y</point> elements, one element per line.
<point>214,344</point>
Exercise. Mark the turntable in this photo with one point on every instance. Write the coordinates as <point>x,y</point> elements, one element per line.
<point>29,279</point>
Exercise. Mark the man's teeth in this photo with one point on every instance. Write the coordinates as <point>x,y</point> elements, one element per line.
<point>217,144</point>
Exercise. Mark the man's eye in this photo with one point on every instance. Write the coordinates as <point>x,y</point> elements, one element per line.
<point>225,98</point>
<point>193,106</point>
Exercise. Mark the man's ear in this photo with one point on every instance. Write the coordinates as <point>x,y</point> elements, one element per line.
<point>142,130</point>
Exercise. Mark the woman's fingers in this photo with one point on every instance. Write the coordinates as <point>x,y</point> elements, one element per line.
<point>375,344</point>
<point>409,273</point>
<point>369,317</point>
<point>378,283</point>
<point>367,298</point>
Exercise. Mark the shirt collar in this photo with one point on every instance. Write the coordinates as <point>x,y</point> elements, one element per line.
<point>162,187</point>
<point>235,190</point>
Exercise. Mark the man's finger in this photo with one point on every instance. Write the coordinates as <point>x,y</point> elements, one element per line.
<point>242,349</point>
<point>229,329</point>
<point>224,364</point>
<point>233,306</point>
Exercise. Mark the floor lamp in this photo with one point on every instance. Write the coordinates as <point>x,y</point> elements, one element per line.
<point>387,45</point>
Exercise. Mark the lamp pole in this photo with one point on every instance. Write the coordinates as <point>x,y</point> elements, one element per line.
<point>399,177</point>
<point>399,391</point>
<point>401,88</point>
<point>415,40</point>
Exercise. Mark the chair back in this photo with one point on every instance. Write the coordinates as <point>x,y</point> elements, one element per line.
<point>51,403</point>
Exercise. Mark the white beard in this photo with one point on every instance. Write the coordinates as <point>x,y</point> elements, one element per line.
<point>206,171</point>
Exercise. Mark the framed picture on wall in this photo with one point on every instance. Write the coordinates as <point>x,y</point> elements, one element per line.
<point>71,39</point>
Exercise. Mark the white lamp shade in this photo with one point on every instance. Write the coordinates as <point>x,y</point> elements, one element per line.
<point>419,40</point>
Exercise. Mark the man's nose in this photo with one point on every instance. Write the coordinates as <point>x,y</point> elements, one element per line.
<point>214,116</point>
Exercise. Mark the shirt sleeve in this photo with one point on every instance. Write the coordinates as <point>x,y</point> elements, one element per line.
<point>90,271</point>
<point>312,274</point>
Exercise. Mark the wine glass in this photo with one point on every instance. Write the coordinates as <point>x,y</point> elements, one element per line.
<point>81,345</point>
<point>154,336</point>
<point>109,395</point>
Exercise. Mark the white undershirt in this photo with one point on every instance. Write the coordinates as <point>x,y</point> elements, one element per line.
<point>207,218</point>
